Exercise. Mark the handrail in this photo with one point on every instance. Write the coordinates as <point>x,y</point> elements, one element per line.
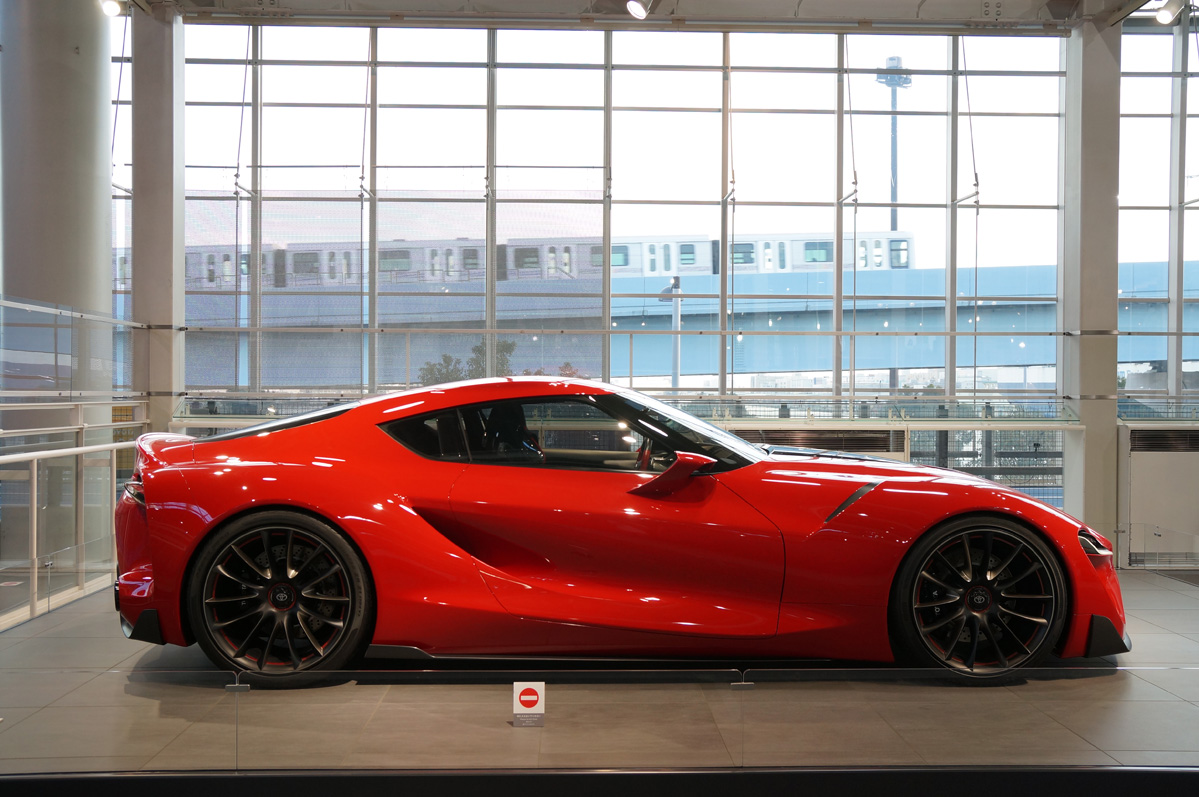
<point>55,453</point>
<point>39,560</point>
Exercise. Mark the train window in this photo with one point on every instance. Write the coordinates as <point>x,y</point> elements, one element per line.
<point>818,252</point>
<point>347,265</point>
<point>783,255</point>
<point>666,264</point>
<point>899,253</point>
<point>528,257</point>
<point>306,264</point>
<point>620,256</point>
<point>566,259</point>
<point>743,254</point>
<point>212,260</point>
<point>863,250</point>
<point>686,254</point>
<point>449,259</point>
<point>597,256</point>
<point>470,258</point>
<point>653,258</point>
<point>551,258</point>
<point>878,254</point>
<point>395,260</point>
<point>433,260</point>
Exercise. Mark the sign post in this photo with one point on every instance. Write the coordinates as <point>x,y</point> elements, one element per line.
<point>528,704</point>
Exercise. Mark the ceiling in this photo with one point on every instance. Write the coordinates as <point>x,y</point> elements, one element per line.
<point>682,14</point>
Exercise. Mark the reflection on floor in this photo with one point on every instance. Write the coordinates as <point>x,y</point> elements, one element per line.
<point>76,696</point>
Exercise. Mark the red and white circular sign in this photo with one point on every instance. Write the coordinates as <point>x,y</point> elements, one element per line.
<point>529,697</point>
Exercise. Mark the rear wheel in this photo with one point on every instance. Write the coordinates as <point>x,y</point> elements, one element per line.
<point>280,595</point>
<point>979,596</point>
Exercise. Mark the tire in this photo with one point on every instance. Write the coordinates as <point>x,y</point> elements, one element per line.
<point>980,596</point>
<point>281,597</point>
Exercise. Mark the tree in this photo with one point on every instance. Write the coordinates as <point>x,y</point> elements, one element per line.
<point>476,366</point>
<point>448,370</point>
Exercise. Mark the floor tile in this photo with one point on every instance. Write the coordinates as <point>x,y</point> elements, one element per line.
<point>420,735</point>
<point>1181,683</point>
<point>28,766</point>
<point>1152,758</point>
<point>11,716</point>
<point>1135,625</point>
<point>66,652</point>
<point>1113,684</point>
<point>448,694</point>
<point>164,657</point>
<point>37,625</point>
<point>1156,649</point>
<point>1130,725</point>
<point>36,688</point>
<point>582,694</point>
<point>168,691</point>
<point>1135,601</point>
<point>298,736</point>
<point>93,731</point>
<point>810,731</point>
<point>1177,621</point>
<point>946,736</point>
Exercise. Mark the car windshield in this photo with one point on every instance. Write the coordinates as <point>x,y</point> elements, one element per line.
<point>686,431</point>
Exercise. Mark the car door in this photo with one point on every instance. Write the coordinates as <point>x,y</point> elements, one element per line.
<point>547,511</point>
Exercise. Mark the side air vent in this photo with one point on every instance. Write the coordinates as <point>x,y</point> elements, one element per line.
<point>865,441</point>
<point>1164,439</point>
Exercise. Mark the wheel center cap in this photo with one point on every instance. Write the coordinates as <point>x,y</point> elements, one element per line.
<point>978,599</point>
<point>282,596</point>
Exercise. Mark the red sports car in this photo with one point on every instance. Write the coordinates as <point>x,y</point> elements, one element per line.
<point>540,516</point>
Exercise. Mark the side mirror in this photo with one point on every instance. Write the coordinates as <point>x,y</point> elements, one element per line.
<point>674,477</point>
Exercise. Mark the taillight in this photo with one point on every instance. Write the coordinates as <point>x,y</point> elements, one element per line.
<point>133,489</point>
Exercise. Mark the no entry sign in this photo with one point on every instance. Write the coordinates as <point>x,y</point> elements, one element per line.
<point>528,704</point>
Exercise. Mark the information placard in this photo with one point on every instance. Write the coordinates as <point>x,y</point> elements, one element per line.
<point>528,704</point>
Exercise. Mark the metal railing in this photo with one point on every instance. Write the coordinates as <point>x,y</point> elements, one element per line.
<point>61,502</point>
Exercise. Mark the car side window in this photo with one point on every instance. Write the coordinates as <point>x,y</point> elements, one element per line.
<point>569,434</point>
<point>437,436</point>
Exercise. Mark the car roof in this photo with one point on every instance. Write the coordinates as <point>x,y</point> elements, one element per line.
<point>473,391</point>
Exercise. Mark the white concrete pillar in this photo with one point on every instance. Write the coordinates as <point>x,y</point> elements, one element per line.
<point>1087,284</point>
<point>57,136</point>
<point>157,267</point>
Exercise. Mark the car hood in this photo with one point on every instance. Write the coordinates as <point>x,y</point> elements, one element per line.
<point>801,490</point>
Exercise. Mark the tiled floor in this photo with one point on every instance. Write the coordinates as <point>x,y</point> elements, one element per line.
<point>76,696</point>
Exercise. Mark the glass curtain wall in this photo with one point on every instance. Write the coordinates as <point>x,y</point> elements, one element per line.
<point>1159,228</point>
<point>373,208</point>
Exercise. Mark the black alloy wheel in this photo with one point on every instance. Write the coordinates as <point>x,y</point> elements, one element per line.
<point>279,594</point>
<point>980,596</point>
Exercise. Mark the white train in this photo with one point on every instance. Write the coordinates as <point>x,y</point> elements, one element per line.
<point>311,266</point>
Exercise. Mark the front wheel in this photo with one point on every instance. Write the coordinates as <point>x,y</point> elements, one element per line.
<point>980,596</point>
<point>279,595</point>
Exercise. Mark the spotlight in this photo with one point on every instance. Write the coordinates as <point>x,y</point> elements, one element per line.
<point>1167,13</point>
<point>641,8</point>
<point>111,8</point>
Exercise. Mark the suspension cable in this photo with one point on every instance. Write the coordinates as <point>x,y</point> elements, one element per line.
<point>977,226</point>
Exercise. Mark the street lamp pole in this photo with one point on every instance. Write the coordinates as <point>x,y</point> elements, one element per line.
<point>893,79</point>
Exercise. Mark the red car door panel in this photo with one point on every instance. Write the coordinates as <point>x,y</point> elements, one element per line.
<point>575,546</point>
